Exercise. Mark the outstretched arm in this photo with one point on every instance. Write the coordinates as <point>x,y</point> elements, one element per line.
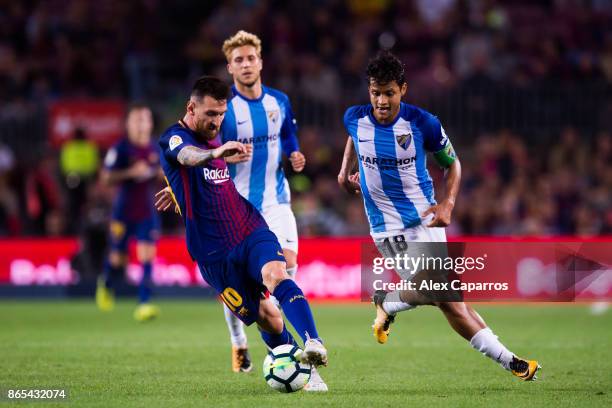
<point>192,156</point>
<point>348,181</point>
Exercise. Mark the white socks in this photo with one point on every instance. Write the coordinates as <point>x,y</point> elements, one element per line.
<point>236,328</point>
<point>292,272</point>
<point>393,304</point>
<point>487,343</point>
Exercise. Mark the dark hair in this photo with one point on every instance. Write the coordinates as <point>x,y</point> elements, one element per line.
<point>136,106</point>
<point>385,68</point>
<point>211,86</point>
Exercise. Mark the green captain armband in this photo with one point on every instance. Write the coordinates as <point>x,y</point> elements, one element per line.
<point>446,156</point>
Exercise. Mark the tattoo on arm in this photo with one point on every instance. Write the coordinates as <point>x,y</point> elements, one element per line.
<point>192,156</point>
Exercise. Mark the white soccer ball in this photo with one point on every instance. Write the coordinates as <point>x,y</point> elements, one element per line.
<point>283,370</point>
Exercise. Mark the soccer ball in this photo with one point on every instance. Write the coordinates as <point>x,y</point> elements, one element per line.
<point>283,370</point>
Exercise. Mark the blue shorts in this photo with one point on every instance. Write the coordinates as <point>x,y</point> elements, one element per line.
<point>237,278</point>
<point>143,231</point>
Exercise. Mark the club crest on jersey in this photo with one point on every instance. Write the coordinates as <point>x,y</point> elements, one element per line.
<point>175,141</point>
<point>216,176</point>
<point>404,140</point>
<point>273,115</point>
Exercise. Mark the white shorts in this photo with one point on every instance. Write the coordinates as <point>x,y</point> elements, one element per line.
<point>281,222</point>
<point>420,233</point>
<point>414,242</point>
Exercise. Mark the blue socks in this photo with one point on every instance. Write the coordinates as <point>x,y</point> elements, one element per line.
<point>296,308</point>
<point>275,340</point>
<point>111,272</point>
<point>144,289</point>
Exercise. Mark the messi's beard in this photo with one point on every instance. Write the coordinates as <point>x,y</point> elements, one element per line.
<point>207,132</point>
<point>210,134</point>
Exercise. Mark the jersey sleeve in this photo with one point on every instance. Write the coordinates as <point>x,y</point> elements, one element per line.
<point>434,138</point>
<point>289,141</point>
<point>172,143</point>
<point>349,120</point>
<point>437,142</point>
<point>116,158</point>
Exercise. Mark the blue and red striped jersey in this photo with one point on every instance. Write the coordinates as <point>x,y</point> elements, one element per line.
<point>216,217</point>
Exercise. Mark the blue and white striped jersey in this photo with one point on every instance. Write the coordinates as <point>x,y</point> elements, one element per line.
<point>395,183</point>
<point>268,124</point>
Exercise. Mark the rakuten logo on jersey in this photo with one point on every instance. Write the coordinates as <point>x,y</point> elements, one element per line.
<point>217,176</point>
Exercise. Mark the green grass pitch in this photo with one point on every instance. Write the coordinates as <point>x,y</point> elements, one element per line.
<point>183,358</point>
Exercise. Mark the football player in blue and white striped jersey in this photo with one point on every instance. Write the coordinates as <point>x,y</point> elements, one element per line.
<point>389,141</point>
<point>261,118</point>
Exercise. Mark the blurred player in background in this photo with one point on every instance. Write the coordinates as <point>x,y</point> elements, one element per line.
<point>229,239</point>
<point>261,118</point>
<point>389,140</point>
<point>133,165</point>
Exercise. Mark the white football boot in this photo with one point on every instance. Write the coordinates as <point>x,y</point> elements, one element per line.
<point>316,383</point>
<point>314,353</point>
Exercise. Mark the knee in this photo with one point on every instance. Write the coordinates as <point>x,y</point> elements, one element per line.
<point>116,259</point>
<point>274,273</point>
<point>145,252</point>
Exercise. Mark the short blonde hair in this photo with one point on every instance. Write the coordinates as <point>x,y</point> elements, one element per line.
<point>240,39</point>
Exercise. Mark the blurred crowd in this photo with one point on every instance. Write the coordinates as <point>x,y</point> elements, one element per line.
<point>514,183</point>
<point>141,48</point>
<point>509,188</point>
